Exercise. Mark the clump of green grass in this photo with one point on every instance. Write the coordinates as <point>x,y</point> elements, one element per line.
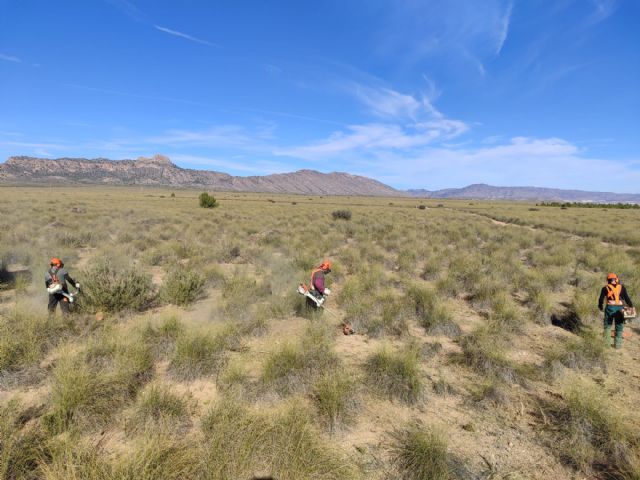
<point>156,405</point>
<point>334,397</point>
<point>431,313</point>
<point>163,336</point>
<point>182,286</point>
<point>540,304</point>
<point>395,375</point>
<point>587,351</point>
<point>592,435</point>
<point>285,445</point>
<point>88,389</point>
<point>419,452</point>
<point>198,354</point>
<point>78,392</point>
<point>21,446</point>
<point>239,293</point>
<point>483,350</point>
<point>110,288</point>
<point>293,367</point>
<point>153,456</point>
<point>25,336</point>
<point>504,315</point>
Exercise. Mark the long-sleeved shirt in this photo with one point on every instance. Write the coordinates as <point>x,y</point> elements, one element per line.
<point>60,276</point>
<point>624,296</point>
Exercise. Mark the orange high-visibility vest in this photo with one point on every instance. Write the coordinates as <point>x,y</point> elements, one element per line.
<point>613,294</point>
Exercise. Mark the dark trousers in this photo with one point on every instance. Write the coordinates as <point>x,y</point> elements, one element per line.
<point>55,299</point>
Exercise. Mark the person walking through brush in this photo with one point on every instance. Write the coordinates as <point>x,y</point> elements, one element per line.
<point>56,280</point>
<point>616,297</point>
<point>317,287</point>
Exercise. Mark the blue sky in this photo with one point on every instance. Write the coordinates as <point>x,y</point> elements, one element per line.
<point>417,94</point>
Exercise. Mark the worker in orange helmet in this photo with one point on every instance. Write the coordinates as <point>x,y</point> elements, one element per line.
<point>616,297</point>
<point>56,280</point>
<point>318,288</point>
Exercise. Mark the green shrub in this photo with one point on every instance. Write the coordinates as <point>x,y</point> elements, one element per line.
<point>109,287</point>
<point>421,453</point>
<point>207,201</point>
<point>182,286</point>
<point>396,375</point>
<point>341,214</point>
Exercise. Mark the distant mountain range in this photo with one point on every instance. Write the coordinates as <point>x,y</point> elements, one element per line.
<point>160,171</point>
<point>481,191</point>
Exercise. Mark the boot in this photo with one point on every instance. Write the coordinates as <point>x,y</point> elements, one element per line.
<point>618,339</point>
<point>607,335</point>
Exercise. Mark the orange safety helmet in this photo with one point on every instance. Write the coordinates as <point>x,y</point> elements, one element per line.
<point>326,265</point>
<point>612,276</point>
<point>56,262</point>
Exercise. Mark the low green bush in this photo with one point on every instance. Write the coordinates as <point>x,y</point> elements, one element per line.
<point>207,201</point>
<point>109,287</point>
<point>341,214</point>
<point>182,286</point>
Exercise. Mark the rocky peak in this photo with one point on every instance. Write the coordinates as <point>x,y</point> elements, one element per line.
<point>157,159</point>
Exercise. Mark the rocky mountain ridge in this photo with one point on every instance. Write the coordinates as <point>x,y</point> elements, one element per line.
<point>482,191</point>
<point>160,171</point>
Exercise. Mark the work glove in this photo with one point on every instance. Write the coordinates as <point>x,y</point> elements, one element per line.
<point>77,285</point>
<point>327,291</point>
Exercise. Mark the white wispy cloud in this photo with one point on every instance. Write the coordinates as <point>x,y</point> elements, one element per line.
<point>9,58</point>
<point>129,9</point>
<point>503,28</point>
<point>410,122</point>
<point>385,102</point>
<point>185,36</point>
<point>519,161</point>
<point>603,9</point>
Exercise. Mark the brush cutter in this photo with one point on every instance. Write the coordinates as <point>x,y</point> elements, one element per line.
<point>57,288</point>
<point>304,290</point>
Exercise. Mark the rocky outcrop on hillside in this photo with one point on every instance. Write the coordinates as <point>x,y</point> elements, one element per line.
<point>481,191</point>
<point>160,171</point>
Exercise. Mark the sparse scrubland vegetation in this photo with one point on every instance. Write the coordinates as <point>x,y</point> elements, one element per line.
<point>478,350</point>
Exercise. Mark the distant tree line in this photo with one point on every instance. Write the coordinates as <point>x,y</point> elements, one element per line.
<point>588,205</point>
